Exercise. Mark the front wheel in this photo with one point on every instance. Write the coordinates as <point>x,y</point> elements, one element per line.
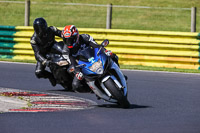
<point>117,93</point>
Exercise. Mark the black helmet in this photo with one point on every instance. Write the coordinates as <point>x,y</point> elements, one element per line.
<point>40,26</point>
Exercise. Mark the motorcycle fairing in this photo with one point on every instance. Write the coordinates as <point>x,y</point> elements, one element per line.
<point>116,68</point>
<point>91,59</point>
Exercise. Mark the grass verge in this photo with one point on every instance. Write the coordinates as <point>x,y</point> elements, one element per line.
<point>149,68</point>
<point>167,17</point>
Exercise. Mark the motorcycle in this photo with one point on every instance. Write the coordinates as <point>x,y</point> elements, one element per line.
<point>62,70</point>
<point>103,75</point>
<point>59,66</point>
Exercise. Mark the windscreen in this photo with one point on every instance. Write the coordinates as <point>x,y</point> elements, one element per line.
<point>86,53</point>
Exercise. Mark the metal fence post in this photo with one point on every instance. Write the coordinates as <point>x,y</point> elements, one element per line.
<point>27,12</point>
<point>193,19</point>
<point>109,16</point>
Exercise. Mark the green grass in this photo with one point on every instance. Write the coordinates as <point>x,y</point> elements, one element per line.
<point>95,17</point>
<point>155,20</point>
<point>148,68</point>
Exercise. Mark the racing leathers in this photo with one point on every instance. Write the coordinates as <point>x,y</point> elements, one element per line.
<point>41,47</point>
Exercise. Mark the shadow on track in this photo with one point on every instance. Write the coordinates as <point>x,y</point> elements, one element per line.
<point>133,106</point>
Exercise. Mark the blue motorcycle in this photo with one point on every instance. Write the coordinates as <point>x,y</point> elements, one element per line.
<point>103,75</point>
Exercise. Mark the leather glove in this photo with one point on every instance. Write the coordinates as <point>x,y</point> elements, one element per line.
<point>46,63</point>
<point>108,52</point>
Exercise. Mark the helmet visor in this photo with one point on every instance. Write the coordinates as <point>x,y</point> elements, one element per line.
<point>40,30</point>
<point>71,41</point>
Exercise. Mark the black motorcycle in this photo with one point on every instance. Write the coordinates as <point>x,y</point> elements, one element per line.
<point>61,69</point>
<point>60,66</point>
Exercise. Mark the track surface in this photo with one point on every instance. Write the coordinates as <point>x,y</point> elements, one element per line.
<point>161,103</point>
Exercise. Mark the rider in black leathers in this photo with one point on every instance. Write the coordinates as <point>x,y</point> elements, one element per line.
<point>42,41</point>
<point>74,42</point>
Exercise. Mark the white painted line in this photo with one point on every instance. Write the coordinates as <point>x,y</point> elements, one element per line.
<point>6,99</point>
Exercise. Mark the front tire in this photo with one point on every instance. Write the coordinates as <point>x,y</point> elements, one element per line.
<point>117,93</point>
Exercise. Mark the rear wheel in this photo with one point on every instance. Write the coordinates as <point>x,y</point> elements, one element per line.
<point>117,93</point>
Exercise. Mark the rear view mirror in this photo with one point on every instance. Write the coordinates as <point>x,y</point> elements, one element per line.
<point>105,43</point>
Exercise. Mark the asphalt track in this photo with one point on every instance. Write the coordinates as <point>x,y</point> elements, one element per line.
<point>160,103</point>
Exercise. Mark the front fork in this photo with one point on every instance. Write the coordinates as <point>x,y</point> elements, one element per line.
<point>106,96</point>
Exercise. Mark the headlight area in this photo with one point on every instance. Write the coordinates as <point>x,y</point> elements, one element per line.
<point>62,63</point>
<point>97,67</point>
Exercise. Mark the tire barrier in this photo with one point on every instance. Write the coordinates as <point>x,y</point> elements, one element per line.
<point>134,47</point>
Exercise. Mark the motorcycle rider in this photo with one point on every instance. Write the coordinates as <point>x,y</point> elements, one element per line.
<point>74,42</point>
<point>42,41</point>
